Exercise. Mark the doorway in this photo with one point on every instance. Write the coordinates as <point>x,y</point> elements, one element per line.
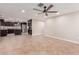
<point>30,27</point>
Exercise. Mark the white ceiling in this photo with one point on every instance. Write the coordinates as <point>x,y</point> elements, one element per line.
<point>12,11</point>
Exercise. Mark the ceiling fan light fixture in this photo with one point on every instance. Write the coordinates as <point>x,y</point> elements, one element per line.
<point>46,9</point>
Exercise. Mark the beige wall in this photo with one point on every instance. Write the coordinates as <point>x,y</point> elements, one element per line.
<point>66,26</point>
<point>37,27</point>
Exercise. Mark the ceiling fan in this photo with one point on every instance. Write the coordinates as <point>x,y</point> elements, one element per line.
<point>45,9</point>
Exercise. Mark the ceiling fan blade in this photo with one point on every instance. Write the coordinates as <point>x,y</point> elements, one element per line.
<point>36,9</point>
<point>50,7</point>
<point>52,11</point>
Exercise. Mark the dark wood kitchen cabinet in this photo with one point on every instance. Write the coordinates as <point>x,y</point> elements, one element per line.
<point>17,32</point>
<point>3,33</point>
<point>3,30</point>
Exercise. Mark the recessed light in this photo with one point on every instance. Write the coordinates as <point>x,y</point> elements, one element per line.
<point>23,11</point>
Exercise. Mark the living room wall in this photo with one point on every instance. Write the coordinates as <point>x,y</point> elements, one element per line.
<point>65,27</point>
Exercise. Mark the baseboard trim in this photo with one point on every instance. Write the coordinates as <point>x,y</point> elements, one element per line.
<point>36,34</point>
<point>72,41</point>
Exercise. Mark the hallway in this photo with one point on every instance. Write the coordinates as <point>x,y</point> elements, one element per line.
<point>22,44</point>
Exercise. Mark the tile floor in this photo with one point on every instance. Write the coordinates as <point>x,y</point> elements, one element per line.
<point>36,45</point>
